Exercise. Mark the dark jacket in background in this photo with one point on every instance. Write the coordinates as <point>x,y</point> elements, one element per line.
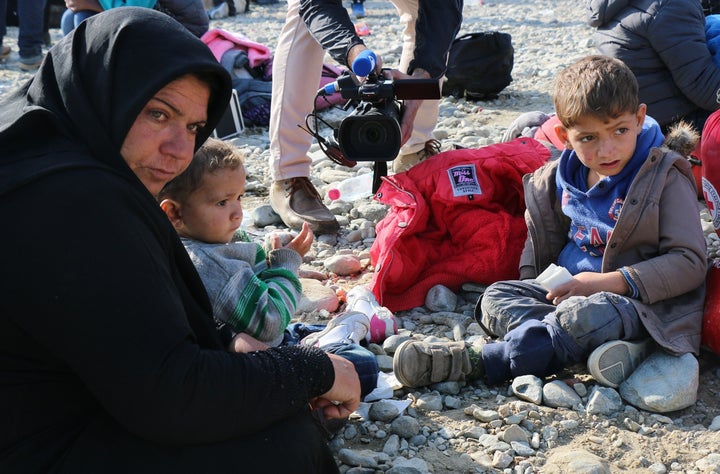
<point>663,42</point>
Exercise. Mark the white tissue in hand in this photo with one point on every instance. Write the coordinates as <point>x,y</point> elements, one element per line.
<point>554,276</point>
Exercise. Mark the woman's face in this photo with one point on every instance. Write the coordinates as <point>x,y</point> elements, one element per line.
<point>161,141</point>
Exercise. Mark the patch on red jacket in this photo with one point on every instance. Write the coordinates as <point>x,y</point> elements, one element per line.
<point>464,181</point>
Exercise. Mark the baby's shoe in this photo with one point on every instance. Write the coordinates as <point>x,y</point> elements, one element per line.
<point>382,320</point>
<point>420,363</point>
<point>346,328</point>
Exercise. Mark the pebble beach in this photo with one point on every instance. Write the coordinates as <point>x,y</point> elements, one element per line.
<point>564,424</point>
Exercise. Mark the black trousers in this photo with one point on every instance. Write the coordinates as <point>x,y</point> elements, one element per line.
<point>294,445</point>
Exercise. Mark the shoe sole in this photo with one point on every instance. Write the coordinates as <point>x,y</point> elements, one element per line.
<point>29,67</point>
<point>398,366</point>
<point>312,339</point>
<point>613,362</point>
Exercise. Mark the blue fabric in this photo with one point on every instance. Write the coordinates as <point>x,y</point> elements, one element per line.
<point>108,4</point>
<point>71,19</point>
<point>712,35</point>
<point>593,212</point>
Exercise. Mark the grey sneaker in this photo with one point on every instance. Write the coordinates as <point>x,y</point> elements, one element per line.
<point>346,328</point>
<point>613,362</point>
<point>296,201</point>
<point>407,161</point>
<point>420,363</point>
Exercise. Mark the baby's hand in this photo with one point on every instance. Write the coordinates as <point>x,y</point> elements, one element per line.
<point>303,241</point>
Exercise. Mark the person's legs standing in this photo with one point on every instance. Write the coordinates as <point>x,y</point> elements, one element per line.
<point>4,50</point>
<point>414,150</point>
<point>297,66</point>
<point>30,36</point>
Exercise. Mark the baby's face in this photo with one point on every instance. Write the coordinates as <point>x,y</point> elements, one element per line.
<point>213,212</point>
<point>604,146</point>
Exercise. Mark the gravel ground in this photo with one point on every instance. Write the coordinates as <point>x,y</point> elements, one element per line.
<point>459,428</point>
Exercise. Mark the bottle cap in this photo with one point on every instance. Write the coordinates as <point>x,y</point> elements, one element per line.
<point>364,63</point>
<point>334,194</point>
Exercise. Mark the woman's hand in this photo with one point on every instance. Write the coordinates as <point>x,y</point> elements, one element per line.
<point>246,343</point>
<point>343,397</point>
<point>589,283</point>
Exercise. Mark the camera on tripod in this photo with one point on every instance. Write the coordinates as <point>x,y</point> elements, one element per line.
<point>371,132</point>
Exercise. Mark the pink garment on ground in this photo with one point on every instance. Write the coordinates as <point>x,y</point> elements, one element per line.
<point>220,41</point>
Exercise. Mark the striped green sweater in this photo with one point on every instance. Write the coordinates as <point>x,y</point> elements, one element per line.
<point>250,291</point>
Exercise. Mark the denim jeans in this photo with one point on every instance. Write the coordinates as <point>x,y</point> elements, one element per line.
<point>540,338</point>
<point>364,361</point>
<point>71,19</point>
<point>31,16</point>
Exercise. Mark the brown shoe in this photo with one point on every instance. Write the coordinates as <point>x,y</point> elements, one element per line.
<point>296,201</point>
<point>419,363</point>
<point>405,162</point>
<point>4,52</point>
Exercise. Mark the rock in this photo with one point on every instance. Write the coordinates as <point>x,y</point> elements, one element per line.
<point>440,298</point>
<point>570,461</point>
<point>315,296</point>
<point>603,401</point>
<point>343,264</point>
<point>663,383</point>
<point>528,387</point>
<point>558,394</point>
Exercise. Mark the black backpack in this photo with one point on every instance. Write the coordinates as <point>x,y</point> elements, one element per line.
<point>479,65</point>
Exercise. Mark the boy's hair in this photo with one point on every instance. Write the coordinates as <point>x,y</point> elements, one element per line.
<point>600,86</point>
<point>213,155</point>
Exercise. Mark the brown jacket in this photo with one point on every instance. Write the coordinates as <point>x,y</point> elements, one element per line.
<point>657,237</point>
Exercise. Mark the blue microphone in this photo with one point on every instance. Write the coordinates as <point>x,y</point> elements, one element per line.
<point>363,65</point>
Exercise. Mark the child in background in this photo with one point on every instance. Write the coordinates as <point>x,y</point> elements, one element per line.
<point>620,214</point>
<point>251,291</point>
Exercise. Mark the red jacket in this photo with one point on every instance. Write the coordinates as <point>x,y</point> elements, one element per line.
<point>454,218</point>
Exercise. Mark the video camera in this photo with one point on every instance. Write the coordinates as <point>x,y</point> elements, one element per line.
<point>371,132</point>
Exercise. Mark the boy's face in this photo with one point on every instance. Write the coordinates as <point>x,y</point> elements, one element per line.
<point>605,147</point>
<point>213,212</point>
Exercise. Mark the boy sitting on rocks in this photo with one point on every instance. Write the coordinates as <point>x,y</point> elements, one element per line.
<point>619,212</point>
<point>253,292</point>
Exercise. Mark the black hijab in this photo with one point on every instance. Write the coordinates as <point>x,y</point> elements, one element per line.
<point>77,109</point>
<point>80,105</point>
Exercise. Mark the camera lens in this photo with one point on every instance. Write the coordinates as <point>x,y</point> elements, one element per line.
<point>371,133</point>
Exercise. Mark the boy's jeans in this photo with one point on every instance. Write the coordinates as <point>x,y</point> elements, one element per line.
<point>540,338</point>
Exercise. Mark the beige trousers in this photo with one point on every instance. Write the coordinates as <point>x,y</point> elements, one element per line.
<point>297,67</point>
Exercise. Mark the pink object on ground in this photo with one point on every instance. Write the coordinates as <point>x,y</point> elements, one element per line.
<point>221,41</point>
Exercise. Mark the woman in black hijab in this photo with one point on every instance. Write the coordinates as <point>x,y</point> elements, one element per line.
<point>109,358</point>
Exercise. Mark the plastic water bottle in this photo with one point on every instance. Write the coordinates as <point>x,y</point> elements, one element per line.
<point>352,189</point>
